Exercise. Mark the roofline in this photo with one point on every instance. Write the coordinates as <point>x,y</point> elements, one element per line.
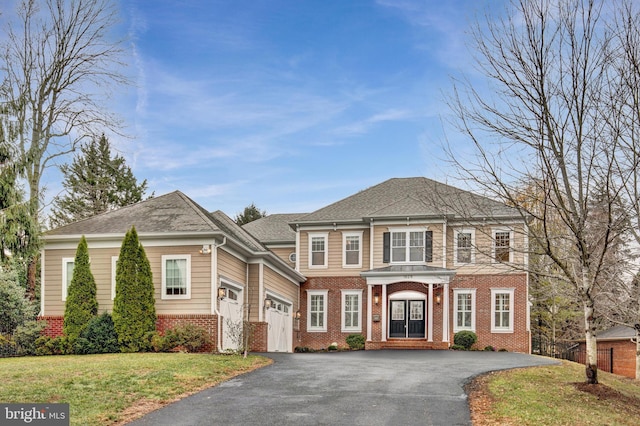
<point>374,273</point>
<point>119,235</point>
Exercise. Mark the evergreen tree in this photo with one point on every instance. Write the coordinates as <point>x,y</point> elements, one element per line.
<point>18,234</point>
<point>95,182</point>
<point>81,305</point>
<point>249,214</point>
<point>134,312</point>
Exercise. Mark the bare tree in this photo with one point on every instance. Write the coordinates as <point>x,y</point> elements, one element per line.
<point>57,66</point>
<point>552,68</point>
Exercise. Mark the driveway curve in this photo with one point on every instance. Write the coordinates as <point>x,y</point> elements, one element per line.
<point>358,388</point>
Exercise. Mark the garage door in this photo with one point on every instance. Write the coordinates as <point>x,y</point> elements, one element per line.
<point>280,327</point>
<point>232,326</point>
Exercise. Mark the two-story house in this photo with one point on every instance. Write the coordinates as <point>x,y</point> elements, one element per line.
<point>406,263</point>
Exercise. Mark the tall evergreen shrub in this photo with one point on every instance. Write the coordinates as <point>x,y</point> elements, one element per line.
<point>82,304</point>
<point>134,312</point>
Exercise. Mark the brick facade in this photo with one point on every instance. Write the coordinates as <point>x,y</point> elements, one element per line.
<point>624,356</point>
<point>163,323</point>
<point>517,341</point>
<point>259,336</point>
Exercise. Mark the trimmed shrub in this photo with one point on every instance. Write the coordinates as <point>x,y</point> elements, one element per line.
<point>465,338</point>
<point>355,341</point>
<point>457,348</point>
<point>26,335</point>
<point>134,312</point>
<point>489,348</point>
<point>81,305</point>
<point>60,345</point>
<point>189,337</point>
<point>333,346</point>
<point>98,337</point>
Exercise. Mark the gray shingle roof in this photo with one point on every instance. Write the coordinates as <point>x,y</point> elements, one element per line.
<point>169,213</point>
<point>274,228</point>
<point>617,332</point>
<point>411,197</point>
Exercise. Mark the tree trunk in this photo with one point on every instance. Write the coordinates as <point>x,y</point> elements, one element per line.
<point>591,362</point>
<point>637,353</point>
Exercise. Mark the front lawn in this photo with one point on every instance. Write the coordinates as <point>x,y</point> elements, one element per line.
<point>113,388</point>
<point>553,395</point>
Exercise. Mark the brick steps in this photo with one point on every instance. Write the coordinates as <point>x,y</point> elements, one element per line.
<point>417,344</point>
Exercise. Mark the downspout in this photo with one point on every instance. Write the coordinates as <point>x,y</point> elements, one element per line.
<point>214,289</point>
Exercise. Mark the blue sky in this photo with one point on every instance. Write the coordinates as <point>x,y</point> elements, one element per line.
<point>290,105</point>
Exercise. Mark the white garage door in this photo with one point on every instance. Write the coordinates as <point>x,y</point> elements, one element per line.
<point>232,326</point>
<point>280,327</point>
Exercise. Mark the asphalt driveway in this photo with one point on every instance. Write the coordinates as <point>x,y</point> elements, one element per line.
<point>358,388</point>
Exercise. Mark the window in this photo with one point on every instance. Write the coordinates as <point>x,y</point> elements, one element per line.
<point>114,269</point>
<point>408,246</point>
<point>502,310</point>
<point>464,309</point>
<point>502,239</point>
<point>351,310</point>
<point>352,242</point>
<point>318,250</point>
<point>463,247</point>
<point>176,277</point>
<point>317,310</point>
<point>67,274</point>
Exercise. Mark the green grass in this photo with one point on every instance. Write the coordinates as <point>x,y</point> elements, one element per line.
<point>103,389</point>
<point>548,395</point>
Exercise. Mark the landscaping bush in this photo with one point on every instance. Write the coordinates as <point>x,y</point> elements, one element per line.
<point>355,341</point>
<point>183,336</point>
<point>457,348</point>
<point>134,312</point>
<point>489,348</point>
<point>60,345</point>
<point>15,308</point>
<point>98,337</point>
<point>81,304</point>
<point>465,338</point>
<point>26,335</point>
<point>7,346</point>
<point>303,349</point>
<point>333,346</point>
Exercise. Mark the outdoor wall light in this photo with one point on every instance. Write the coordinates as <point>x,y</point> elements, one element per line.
<point>298,315</point>
<point>222,293</point>
<point>206,249</point>
<point>268,303</point>
<point>376,299</point>
<point>438,300</point>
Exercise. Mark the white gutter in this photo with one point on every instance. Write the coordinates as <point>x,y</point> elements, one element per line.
<point>214,288</point>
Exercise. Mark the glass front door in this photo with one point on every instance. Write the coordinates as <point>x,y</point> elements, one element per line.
<point>406,319</point>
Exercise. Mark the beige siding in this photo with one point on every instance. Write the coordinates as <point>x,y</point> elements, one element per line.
<point>276,283</point>
<point>231,267</point>
<point>254,292</point>
<point>283,253</point>
<point>335,254</point>
<point>200,301</point>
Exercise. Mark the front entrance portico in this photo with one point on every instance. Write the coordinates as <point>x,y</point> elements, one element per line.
<point>402,300</point>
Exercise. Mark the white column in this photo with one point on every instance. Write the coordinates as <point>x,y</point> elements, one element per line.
<point>385,307</point>
<point>369,314</point>
<point>445,313</point>
<point>430,317</point>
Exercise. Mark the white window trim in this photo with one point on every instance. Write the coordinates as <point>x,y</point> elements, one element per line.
<point>114,264</point>
<point>65,279</point>
<point>324,235</point>
<point>344,328</point>
<point>494,292</point>
<point>186,257</point>
<point>325,295</point>
<point>407,255</point>
<point>493,243</point>
<point>456,292</point>
<point>456,232</point>
<point>344,249</point>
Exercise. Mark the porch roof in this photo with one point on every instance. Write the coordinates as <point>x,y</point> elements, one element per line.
<point>415,273</point>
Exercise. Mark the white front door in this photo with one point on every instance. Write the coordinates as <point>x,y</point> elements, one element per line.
<point>232,325</point>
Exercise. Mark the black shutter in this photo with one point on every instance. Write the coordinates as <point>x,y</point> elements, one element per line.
<point>386,247</point>
<point>428,246</point>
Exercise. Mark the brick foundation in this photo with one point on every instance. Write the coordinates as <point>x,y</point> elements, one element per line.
<point>163,323</point>
<point>259,336</point>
